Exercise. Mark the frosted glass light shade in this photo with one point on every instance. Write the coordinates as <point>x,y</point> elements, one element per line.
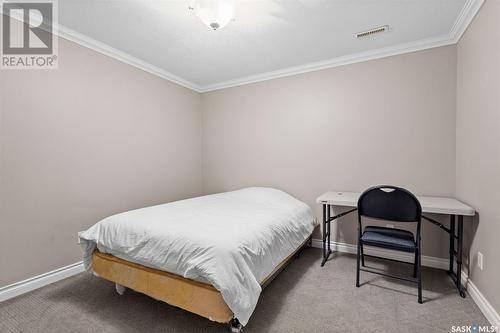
<point>215,14</point>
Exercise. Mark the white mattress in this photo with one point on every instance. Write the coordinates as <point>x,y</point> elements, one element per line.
<point>232,240</point>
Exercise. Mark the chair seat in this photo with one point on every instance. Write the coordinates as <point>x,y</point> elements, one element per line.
<point>395,239</point>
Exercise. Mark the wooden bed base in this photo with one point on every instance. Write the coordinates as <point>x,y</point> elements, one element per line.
<point>196,297</point>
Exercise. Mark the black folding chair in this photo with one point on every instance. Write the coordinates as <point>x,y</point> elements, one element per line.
<point>390,203</point>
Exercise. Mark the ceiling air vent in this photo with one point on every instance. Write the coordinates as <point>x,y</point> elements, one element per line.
<point>372,31</point>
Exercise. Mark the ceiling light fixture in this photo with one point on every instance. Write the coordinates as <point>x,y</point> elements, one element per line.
<point>215,14</point>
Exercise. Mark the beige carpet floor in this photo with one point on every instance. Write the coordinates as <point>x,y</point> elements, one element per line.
<point>303,298</point>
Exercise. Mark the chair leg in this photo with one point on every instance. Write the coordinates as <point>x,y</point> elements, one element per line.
<point>419,275</point>
<point>362,256</point>
<point>415,264</point>
<point>357,263</point>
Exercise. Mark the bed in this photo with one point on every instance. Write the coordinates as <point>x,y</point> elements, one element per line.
<point>209,255</point>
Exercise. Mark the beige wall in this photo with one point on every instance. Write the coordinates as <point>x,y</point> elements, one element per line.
<point>385,121</point>
<point>93,138</point>
<point>96,137</point>
<point>478,143</point>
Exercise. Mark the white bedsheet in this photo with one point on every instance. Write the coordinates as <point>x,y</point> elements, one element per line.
<point>232,240</point>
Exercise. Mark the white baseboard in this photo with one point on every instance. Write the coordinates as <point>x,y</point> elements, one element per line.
<point>486,308</point>
<point>489,312</point>
<point>39,281</point>
<point>428,261</point>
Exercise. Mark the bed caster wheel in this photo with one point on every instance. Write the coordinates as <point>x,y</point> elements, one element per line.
<point>462,293</point>
<point>235,326</point>
<point>120,289</point>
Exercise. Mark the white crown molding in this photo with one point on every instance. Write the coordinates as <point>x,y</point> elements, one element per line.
<point>83,40</point>
<point>39,281</point>
<point>102,48</point>
<point>464,19</point>
<point>335,62</point>
<point>468,12</point>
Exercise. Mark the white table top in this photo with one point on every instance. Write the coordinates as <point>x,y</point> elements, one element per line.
<point>438,205</point>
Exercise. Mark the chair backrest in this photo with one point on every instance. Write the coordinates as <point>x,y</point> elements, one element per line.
<point>389,203</point>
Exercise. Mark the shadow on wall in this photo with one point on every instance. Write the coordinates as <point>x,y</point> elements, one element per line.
<point>471,224</point>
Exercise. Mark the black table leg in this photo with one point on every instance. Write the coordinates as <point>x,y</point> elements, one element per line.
<point>452,243</point>
<point>326,233</point>
<point>327,220</point>
<point>324,236</point>
<point>456,252</point>
<point>328,227</point>
<point>459,255</point>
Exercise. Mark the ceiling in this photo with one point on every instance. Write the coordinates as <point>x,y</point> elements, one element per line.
<point>267,39</point>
